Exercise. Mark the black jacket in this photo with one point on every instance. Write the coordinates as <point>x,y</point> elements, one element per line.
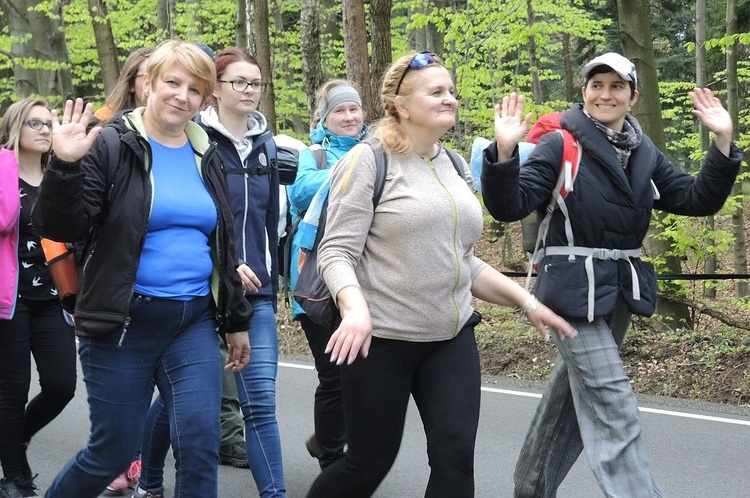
<point>108,205</point>
<point>610,207</point>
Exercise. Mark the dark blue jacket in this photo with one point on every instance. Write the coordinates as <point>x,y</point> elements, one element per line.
<point>610,207</point>
<point>254,194</point>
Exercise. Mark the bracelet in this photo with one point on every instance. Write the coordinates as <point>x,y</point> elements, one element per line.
<point>529,306</point>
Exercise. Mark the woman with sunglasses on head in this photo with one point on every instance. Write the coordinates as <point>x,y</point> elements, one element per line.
<point>403,277</point>
<point>128,92</point>
<point>339,126</point>
<point>31,315</point>
<point>597,279</point>
<point>159,278</point>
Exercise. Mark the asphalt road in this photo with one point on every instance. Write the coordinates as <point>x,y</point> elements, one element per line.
<point>696,450</point>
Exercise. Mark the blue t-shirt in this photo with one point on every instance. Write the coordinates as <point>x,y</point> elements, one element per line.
<point>176,258</point>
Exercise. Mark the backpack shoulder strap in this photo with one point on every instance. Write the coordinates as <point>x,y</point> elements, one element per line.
<point>319,154</point>
<point>456,160</point>
<point>381,169</point>
<point>112,145</point>
<point>571,159</point>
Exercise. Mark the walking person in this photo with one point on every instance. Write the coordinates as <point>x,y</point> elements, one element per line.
<point>128,93</point>
<point>241,132</point>
<point>159,276</point>
<point>340,126</point>
<point>598,279</point>
<point>403,277</point>
<point>31,315</point>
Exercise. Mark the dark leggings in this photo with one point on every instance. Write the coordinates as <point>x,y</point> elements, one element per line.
<point>37,328</point>
<point>444,379</point>
<point>328,408</point>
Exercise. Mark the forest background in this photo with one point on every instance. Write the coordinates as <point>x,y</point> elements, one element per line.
<point>696,346</point>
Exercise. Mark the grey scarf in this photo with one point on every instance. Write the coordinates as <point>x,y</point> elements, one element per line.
<point>623,141</point>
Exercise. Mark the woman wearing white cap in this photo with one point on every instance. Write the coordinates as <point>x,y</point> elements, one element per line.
<point>340,126</point>
<point>597,279</point>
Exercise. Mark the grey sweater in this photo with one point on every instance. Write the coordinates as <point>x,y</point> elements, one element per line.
<point>413,257</point>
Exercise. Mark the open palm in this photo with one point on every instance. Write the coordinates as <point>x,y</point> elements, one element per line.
<point>71,139</point>
<point>510,124</point>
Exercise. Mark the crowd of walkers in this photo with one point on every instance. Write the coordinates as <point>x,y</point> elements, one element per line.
<point>172,200</point>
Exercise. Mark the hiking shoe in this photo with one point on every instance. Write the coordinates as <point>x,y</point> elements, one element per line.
<point>118,487</point>
<point>313,448</point>
<point>234,454</point>
<point>18,487</point>
<point>142,493</point>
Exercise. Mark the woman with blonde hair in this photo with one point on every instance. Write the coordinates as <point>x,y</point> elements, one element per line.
<point>403,276</point>
<point>159,279</point>
<point>33,324</point>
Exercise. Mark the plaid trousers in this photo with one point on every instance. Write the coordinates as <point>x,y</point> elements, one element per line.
<point>588,404</point>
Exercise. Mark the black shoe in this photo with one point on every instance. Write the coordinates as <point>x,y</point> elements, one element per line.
<point>313,448</point>
<point>234,454</point>
<point>18,487</point>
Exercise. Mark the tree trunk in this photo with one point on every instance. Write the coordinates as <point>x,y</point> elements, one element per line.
<point>382,53</point>
<point>355,45</point>
<point>637,41</point>
<point>312,62</point>
<point>46,45</point>
<point>570,93</point>
<point>701,80</point>
<point>240,27</point>
<point>283,64</point>
<point>105,44</point>
<point>263,54</point>
<point>536,87</point>
<point>164,20</point>
<point>738,216</point>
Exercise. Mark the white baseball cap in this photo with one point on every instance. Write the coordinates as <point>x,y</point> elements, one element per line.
<point>619,64</point>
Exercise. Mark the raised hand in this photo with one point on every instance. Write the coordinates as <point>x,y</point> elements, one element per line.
<point>711,113</point>
<point>510,124</point>
<point>70,139</point>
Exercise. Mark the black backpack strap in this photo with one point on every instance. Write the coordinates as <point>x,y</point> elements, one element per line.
<point>381,169</point>
<point>112,145</point>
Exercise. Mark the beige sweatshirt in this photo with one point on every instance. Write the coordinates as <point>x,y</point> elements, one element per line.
<point>413,257</point>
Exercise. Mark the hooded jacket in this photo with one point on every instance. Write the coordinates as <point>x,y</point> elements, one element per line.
<point>10,207</point>
<point>309,180</point>
<point>108,206</point>
<point>609,208</point>
<point>254,195</point>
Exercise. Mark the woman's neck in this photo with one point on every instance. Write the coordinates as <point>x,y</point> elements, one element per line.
<point>424,144</point>
<point>236,124</point>
<point>30,167</point>
<point>164,135</point>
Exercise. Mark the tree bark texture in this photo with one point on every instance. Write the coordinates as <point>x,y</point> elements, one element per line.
<point>105,44</point>
<point>312,61</point>
<point>355,45</point>
<point>263,54</point>
<point>380,16</point>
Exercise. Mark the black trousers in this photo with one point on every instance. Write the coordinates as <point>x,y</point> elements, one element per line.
<point>37,328</point>
<point>444,379</point>
<point>328,409</point>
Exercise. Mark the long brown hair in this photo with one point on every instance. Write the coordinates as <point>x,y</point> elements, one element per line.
<point>121,97</point>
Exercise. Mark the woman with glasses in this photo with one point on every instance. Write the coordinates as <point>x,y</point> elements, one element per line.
<point>31,316</point>
<point>159,278</point>
<point>128,92</point>
<point>403,277</point>
<point>241,134</point>
<point>339,127</point>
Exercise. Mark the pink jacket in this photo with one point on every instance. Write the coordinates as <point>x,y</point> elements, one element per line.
<point>10,207</point>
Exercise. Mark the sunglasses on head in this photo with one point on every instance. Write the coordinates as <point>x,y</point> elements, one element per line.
<point>37,124</point>
<point>418,61</point>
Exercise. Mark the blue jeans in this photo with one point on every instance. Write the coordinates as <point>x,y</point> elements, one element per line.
<point>168,343</point>
<point>257,393</point>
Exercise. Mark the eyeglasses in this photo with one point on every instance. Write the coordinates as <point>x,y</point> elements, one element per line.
<point>241,85</point>
<point>36,124</point>
<point>419,61</point>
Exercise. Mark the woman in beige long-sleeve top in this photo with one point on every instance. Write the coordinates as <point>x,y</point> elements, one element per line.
<point>403,277</point>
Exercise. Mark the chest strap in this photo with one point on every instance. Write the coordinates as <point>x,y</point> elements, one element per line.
<point>591,253</point>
